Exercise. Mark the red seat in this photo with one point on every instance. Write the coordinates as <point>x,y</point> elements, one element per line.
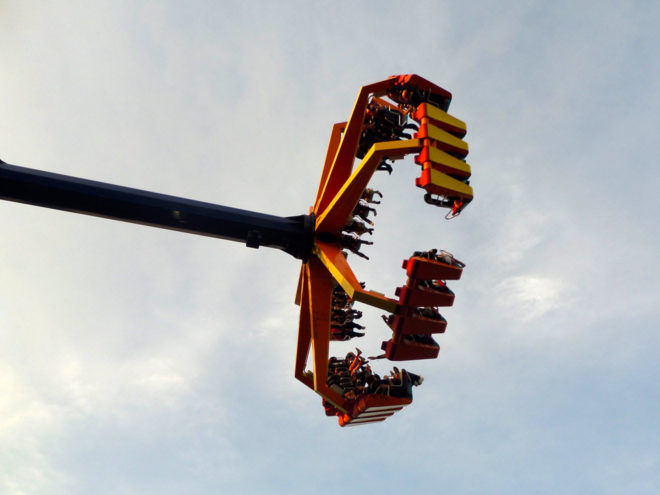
<point>408,351</point>
<point>426,269</point>
<point>416,324</point>
<point>424,297</point>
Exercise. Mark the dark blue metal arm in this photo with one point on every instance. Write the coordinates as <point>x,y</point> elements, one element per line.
<point>293,235</point>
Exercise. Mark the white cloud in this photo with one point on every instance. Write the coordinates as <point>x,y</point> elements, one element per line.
<point>527,297</point>
<point>167,359</point>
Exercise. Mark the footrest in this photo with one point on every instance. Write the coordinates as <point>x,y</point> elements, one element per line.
<point>443,162</point>
<point>373,409</point>
<point>443,140</point>
<point>440,118</point>
<point>440,184</point>
<point>424,297</point>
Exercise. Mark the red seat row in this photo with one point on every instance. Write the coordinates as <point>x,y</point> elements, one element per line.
<point>416,318</point>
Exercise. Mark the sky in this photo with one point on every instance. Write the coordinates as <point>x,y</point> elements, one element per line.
<point>139,360</point>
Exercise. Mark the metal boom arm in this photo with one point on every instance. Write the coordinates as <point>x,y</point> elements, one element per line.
<point>293,235</point>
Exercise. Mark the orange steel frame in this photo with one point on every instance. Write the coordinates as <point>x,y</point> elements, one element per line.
<point>339,191</point>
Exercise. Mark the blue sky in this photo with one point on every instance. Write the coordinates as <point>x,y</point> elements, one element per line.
<point>135,360</point>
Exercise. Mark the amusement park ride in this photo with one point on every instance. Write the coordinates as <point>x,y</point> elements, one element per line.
<point>379,129</point>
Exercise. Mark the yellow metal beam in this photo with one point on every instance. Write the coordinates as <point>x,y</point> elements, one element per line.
<point>333,145</point>
<point>319,285</point>
<point>377,300</point>
<point>334,217</point>
<point>320,347</point>
<point>320,300</point>
<point>335,262</point>
<point>342,163</point>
